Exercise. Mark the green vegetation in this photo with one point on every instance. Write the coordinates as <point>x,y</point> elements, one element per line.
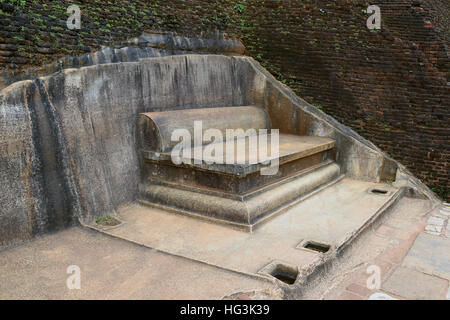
<point>15,3</point>
<point>105,219</point>
<point>239,7</point>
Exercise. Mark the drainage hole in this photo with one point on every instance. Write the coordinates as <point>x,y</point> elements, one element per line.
<point>378,191</point>
<point>315,246</point>
<point>285,274</point>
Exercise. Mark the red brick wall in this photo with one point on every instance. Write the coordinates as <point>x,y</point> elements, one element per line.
<point>390,85</point>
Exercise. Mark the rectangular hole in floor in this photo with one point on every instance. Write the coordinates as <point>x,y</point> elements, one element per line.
<point>315,246</point>
<point>378,191</point>
<point>285,274</point>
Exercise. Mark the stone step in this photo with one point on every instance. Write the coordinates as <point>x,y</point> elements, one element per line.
<point>335,216</point>
<point>296,154</point>
<point>291,148</point>
<point>244,212</point>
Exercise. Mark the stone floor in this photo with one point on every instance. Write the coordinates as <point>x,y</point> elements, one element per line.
<point>111,269</point>
<point>412,252</point>
<point>402,256</point>
<point>330,217</point>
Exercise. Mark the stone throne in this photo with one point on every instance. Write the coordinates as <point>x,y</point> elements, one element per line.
<point>236,193</point>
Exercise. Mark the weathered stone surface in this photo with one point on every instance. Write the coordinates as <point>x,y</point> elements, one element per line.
<point>145,46</point>
<point>329,217</point>
<point>430,254</point>
<point>241,212</point>
<point>69,138</point>
<point>435,230</point>
<point>416,285</point>
<point>112,269</point>
<point>19,173</point>
<point>436,221</point>
<point>159,126</point>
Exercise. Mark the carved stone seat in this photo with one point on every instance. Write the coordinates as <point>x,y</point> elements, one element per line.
<point>243,191</point>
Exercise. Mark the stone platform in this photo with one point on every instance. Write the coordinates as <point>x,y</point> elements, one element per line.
<point>411,261</point>
<point>255,178</point>
<point>332,218</point>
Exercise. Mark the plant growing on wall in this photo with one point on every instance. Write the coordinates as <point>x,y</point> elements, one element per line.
<point>15,3</point>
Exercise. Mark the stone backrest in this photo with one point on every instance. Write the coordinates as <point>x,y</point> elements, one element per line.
<point>155,129</point>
